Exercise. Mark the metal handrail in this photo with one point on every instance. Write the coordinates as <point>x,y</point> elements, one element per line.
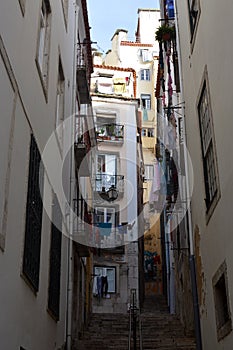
<point>130,329</point>
<point>140,330</point>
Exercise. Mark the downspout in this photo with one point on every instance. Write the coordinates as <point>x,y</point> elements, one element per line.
<point>197,322</point>
<point>71,189</point>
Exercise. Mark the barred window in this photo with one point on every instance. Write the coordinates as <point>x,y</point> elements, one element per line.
<point>34,209</point>
<point>208,151</point>
<point>55,260</point>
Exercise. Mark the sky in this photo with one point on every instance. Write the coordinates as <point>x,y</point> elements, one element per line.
<point>105,16</point>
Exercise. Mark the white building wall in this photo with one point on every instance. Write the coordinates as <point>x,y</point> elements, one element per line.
<point>24,319</point>
<point>210,52</point>
<point>126,265</point>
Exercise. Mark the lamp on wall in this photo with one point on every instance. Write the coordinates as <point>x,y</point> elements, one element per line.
<point>112,193</point>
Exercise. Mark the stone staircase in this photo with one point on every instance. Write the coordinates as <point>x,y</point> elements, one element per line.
<point>106,332</point>
<point>160,330</point>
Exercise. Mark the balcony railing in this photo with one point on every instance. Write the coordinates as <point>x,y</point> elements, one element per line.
<point>110,132</point>
<point>82,78</point>
<point>103,182</point>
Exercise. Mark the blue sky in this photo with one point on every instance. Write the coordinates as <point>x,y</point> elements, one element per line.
<point>105,16</point>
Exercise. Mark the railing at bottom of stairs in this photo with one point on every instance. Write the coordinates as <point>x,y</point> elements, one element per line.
<point>134,315</point>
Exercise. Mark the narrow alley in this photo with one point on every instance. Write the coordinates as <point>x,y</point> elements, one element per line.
<point>116,175</point>
<point>159,330</point>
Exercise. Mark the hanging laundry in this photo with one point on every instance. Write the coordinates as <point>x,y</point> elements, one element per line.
<point>104,290</point>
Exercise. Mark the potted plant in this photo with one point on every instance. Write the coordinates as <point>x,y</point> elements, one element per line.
<point>165,33</point>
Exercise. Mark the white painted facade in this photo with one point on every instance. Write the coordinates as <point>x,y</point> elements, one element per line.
<point>29,105</point>
<point>142,56</point>
<point>205,58</point>
<point>122,158</point>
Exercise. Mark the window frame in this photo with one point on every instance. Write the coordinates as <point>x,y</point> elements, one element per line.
<point>211,200</point>
<point>147,101</point>
<point>149,170</point>
<point>34,218</point>
<point>43,45</point>
<point>222,329</point>
<point>65,10</point>
<point>60,103</point>
<point>145,74</point>
<point>55,260</point>
<point>194,11</point>
<point>105,267</point>
<point>22,6</point>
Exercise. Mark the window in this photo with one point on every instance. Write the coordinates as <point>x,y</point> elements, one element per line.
<point>106,171</point>
<point>194,11</point>
<point>42,58</point>
<point>22,6</point>
<point>146,101</point>
<point>65,5</point>
<point>34,209</point>
<point>55,260</point>
<point>105,215</point>
<point>222,309</point>
<point>149,172</point>
<point>144,132</point>
<point>110,272</point>
<point>60,101</point>
<point>208,149</point>
<point>145,74</point>
<point>151,132</point>
<point>146,55</point>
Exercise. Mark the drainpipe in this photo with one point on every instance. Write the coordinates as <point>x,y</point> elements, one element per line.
<point>197,322</point>
<point>71,192</point>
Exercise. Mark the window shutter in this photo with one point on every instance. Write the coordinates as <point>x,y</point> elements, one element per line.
<point>32,243</point>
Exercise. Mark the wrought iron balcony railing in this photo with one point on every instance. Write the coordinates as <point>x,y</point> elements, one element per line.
<point>103,182</point>
<point>110,132</point>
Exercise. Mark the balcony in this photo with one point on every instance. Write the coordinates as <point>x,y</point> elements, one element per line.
<point>80,152</point>
<point>113,133</point>
<point>109,239</point>
<point>103,182</point>
<point>83,92</point>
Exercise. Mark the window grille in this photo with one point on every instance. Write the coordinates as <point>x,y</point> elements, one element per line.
<point>34,209</point>
<point>55,260</point>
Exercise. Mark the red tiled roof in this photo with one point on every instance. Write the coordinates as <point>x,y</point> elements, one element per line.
<point>132,43</point>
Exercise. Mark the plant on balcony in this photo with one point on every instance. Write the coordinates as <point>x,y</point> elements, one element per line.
<point>165,33</point>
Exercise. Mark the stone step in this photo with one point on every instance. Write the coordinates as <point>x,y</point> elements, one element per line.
<point>160,330</point>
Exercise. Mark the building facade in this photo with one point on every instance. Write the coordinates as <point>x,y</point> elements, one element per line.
<point>39,95</point>
<point>117,220</point>
<point>207,96</point>
<point>142,54</point>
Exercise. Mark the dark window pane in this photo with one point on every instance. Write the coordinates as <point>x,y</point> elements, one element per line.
<point>31,257</point>
<point>55,260</point>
